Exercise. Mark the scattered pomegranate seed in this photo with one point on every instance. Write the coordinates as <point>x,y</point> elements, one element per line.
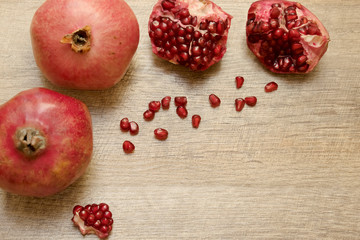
<point>181,112</point>
<point>271,86</point>
<point>161,134</point>
<point>154,106</point>
<point>180,101</point>
<point>239,104</point>
<point>165,102</point>
<point>239,81</point>
<point>214,100</point>
<point>196,121</point>
<point>124,124</point>
<point>128,147</point>
<point>251,101</point>
<point>149,115</point>
<point>93,219</point>
<point>134,128</point>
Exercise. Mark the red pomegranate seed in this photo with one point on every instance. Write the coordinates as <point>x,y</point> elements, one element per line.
<point>161,134</point>
<point>214,100</point>
<point>154,106</point>
<point>134,128</point>
<point>239,104</point>
<point>128,147</point>
<point>271,86</point>
<point>239,81</point>
<point>181,112</point>
<point>149,115</point>
<point>251,101</point>
<point>180,101</point>
<point>165,102</point>
<point>124,124</point>
<point>196,121</point>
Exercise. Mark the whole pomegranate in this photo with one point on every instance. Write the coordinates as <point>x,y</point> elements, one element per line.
<point>192,33</point>
<point>45,140</point>
<point>84,44</point>
<point>285,36</point>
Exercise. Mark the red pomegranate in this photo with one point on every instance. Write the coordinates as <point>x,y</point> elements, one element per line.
<point>285,36</point>
<point>45,140</point>
<point>84,44</point>
<point>192,33</point>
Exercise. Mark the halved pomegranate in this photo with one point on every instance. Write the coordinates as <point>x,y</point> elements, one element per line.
<point>192,33</point>
<point>285,36</point>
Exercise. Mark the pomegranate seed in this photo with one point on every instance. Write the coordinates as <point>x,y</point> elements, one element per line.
<point>149,115</point>
<point>104,207</point>
<point>107,214</point>
<point>83,214</point>
<point>90,220</point>
<point>251,101</point>
<point>161,134</point>
<point>77,208</point>
<point>124,125</point>
<point>165,102</point>
<point>214,100</point>
<point>181,112</point>
<point>154,106</point>
<point>239,104</point>
<point>134,128</point>
<point>239,81</point>
<point>180,101</point>
<point>271,86</point>
<point>196,121</point>
<point>128,147</point>
<point>94,208</point>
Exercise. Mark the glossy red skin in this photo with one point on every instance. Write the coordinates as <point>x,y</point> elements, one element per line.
<point>114,40</point>
<point>66,124</point>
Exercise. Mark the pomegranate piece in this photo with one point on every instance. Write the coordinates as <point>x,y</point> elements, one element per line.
<point>161,134</point>
<point>165,102</point>
<point>180,101</point>
<point>182,112</point>
<point>46,142</point>
<point>128,147</point>
<point>239,81</point>
<point>94,218</point>
<point>271,86</point>
<point>192,33</point>
<point>154,106</point>
<point>125,125</point>
<point>214,100</point>
<point>149,115</point>
<point>239,104</point>
<point>195,120</point>
<point>285,36</point>
<point>134,128</point>
<point>251,101</point>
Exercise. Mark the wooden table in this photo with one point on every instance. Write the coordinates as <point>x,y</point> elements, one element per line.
<point>288,168</point>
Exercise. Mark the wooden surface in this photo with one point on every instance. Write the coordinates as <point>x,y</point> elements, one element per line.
<point>289,168</point>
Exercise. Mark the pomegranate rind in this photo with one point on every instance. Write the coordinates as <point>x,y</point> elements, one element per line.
<point>314,46</point>
<point>204,10</point>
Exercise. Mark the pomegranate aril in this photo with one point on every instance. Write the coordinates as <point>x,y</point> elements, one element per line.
<point>251,101</point>
<point>104,229</point>
<point>149,115</point>
<point>125,124</point>
<point>181,112</point>
<point>275,12</point>
<point>154,106</point>
<point>98,215</point>
<point>128,147</point>
<point>107,214</point>
<point>214,100</point>
<point>105,221</point>
<point>195,120</point>
<point>103,207</point>
<point>167,5</point>
<point>134,128</point>
<point>239,104</point>
<point>83,214</point>
<point>77,209</point>
<point>90,220</point>
<point>180,101</point>
<point>165,102</point>
<point>301,60</point>
<point>239,81</point>
<point>271,86</point>
<point>161,134</point>
<point>97,224</point>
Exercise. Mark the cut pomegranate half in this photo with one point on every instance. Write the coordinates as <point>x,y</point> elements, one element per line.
<point>192,33</point>
<point>95,218</point>
<point>285,36</point>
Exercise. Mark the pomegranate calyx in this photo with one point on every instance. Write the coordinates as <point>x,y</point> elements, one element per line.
<point>30,141</point>
<point>79,40</point>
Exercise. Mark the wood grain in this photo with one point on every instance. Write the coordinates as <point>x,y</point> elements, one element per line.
<point>288,168</point>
